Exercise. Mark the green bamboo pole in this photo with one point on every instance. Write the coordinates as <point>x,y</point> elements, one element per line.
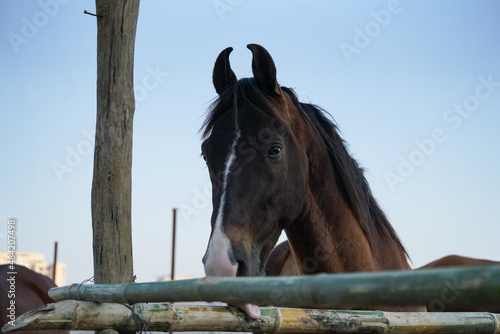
<point>478,286</point>
<point>79,315</point>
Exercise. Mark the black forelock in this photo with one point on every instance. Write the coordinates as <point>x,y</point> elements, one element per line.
<point>243,91</point>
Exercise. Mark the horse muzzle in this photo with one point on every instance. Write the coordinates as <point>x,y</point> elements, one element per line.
<point>219,259</point>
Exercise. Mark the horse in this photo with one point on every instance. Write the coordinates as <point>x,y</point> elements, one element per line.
<point>282,263</point>
<point>22,292</point>
<point>279,164</point>
<point>457,261</point>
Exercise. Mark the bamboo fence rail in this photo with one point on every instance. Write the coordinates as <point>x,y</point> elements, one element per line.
<point>478,286</point>
<point>95,307</point>
<point>80,315</point>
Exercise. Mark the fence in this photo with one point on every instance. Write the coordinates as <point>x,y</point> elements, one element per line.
<point>467,287</point>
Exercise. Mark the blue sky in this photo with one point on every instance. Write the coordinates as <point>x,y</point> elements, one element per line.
<point>414,87</point>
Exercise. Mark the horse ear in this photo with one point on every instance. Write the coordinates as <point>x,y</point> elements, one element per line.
<point>223,75</point>
<point>264,70</point>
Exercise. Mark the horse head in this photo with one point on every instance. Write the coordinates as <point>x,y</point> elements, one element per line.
<point>256,167</point>
<point>277,164</point>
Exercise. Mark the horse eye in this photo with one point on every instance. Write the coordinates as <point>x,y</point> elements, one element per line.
<point>274,152</point>
<point>203,156</point>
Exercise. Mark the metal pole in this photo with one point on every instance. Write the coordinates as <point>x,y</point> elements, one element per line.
<point>55,263</point>
<point>173,245</point>
<point>172,273</point>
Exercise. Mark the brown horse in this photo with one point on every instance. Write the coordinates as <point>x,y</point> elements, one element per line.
<point>457,261</point>
<point>282,263</point>
<point>23,290</point>
<point>277,164</point>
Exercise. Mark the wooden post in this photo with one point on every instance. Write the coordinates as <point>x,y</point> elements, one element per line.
<point>112,181</point>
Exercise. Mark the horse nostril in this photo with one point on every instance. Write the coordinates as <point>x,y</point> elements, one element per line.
<point>240,268</point>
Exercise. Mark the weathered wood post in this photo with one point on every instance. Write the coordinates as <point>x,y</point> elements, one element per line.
<point>112,182</point>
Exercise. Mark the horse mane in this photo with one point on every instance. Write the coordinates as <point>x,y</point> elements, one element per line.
<point>352,183</point>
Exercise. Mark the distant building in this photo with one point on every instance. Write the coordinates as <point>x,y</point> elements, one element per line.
<point>36,262</point>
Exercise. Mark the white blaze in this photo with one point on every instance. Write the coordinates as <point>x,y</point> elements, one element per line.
<point>218,262</point>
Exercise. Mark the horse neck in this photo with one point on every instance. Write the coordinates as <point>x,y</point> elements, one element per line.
<point>327,236</point>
